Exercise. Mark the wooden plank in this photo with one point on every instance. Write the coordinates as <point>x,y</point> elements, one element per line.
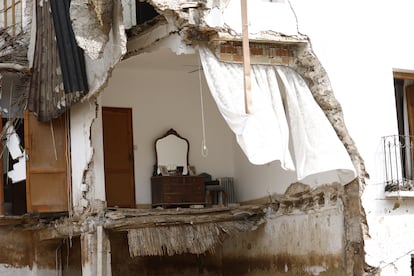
<point>130,219</point>
<point>246,58</point>
<point>5,13</point>
<point>41,171</point>
<point>13,7</point>
<point>403,75</point>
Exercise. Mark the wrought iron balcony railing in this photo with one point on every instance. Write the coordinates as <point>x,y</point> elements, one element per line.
<point>398,162</point>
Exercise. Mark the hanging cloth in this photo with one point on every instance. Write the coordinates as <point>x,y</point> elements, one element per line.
<point>59,76</point>
<point>285,117</point>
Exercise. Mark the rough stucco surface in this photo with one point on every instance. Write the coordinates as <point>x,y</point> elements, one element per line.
<point>309,67</point>
<point>90,30</point>
<point>355,219</point>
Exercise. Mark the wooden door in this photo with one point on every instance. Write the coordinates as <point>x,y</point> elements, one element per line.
<point>409,93</point>
<point>1,171</point>
<point>408,159</point>
<point>119,157</point>
<point>47,164</point>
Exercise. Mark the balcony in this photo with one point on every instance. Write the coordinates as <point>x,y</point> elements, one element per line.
<point>398,165</point>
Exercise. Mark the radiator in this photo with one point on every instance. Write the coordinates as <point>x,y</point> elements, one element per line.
<point>228,184</point>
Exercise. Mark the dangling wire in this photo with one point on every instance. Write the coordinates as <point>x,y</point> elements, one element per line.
<point>204,149</point>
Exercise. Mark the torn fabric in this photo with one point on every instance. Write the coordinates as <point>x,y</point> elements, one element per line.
<point>71,57</point>
<point>284,113</point>
<point>56,82</point>
<point>13,142</point>
<point>15,150</point>
<point>18,173</point>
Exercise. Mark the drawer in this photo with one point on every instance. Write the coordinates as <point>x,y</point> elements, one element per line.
<point>170,187</point>
<point>176,190</point>
<point>182,198</point>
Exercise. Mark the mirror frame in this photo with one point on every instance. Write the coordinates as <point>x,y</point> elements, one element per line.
<point>168,133</point>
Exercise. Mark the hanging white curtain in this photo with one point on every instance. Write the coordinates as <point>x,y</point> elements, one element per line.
<point>283,111</point>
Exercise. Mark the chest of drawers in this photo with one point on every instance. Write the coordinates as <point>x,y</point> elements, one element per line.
<point>171,191</point>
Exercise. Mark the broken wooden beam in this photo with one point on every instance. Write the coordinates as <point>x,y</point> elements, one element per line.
<point>246,58</point>
<point>122,220</point>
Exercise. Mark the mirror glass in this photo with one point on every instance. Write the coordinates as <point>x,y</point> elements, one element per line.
<point>172,151</point>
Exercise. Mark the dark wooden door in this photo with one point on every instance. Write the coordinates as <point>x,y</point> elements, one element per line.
<point>1,172</point>
<point>119,157</point>
<point>47,164</point>
<point>410,107</point>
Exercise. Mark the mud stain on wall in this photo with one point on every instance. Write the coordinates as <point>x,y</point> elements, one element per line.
<point>71,257</point>
<point>217,264</point>
<point>16,247</point>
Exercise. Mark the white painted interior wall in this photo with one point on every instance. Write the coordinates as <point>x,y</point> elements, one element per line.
<point>359,43</point>
<point>163,94</point>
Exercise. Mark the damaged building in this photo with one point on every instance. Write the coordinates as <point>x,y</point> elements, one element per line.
<point>209,137</point>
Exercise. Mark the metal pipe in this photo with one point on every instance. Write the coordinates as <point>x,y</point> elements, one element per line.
<point>385,159</point>
<point>396,160</point>
<point>389,151</point>
<point>99,250</point>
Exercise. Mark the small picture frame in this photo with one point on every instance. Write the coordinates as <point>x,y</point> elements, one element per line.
<point>191,170</point>
<point>163,170</point>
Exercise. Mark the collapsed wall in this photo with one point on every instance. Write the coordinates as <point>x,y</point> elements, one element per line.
<point>189,25</point>
<point>294,237</point>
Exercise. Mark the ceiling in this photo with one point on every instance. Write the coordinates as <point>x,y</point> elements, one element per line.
<point>161,59</point>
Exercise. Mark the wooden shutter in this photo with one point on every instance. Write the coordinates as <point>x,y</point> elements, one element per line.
<point>47,164</point>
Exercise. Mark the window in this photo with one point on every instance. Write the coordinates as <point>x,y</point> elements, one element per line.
<point>412,265</point>
<point>12,15</point>
<point>399,148</point>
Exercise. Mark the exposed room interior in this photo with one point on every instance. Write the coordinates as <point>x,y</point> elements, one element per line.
<point>163,91</point>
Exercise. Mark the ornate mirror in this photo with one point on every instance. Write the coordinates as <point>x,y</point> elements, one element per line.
<point>171,151</point>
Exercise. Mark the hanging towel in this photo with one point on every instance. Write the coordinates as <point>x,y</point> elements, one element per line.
<point>283,111</point>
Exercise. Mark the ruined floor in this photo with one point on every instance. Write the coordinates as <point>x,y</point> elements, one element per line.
<point>236,240</point>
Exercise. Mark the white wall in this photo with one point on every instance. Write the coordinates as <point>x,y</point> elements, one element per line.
<point>86,154</point>
<point>255,181</point>
<point>163,95</point>
<point>359,43</point>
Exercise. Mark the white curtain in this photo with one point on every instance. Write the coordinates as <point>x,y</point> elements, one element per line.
<point>284,117</point>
